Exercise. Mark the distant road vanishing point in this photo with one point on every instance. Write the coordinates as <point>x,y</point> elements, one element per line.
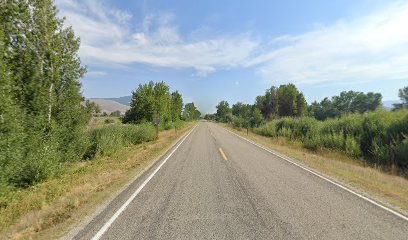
<point>215,185</point>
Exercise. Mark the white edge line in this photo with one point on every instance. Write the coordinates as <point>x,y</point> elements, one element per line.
<point>324,178</point>
<point>105,227</point>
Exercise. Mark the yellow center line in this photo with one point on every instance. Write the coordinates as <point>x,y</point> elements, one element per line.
<point>223,154</point>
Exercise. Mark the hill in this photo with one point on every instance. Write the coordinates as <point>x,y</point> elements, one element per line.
<point>109,106</point>
<point>122,100</point>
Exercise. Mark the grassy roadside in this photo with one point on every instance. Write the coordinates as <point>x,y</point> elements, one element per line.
<point>388,189</point>
<point>49,209</point>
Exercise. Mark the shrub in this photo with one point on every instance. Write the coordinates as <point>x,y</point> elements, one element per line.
<point>109,121</point>
<point>108,139</point>
<point>237,122</point>
<point>268,129</point>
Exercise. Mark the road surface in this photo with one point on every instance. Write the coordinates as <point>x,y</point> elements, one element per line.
<point>215,185</point>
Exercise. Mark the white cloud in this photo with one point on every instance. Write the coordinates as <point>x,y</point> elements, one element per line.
<point>368,49</point>
<point>105,37</point>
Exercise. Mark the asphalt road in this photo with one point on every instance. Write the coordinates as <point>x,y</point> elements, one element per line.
<point>244,192</point>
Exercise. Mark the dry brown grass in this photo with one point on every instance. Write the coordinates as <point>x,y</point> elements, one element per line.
<point>50,209</point>
<point>389,189</point>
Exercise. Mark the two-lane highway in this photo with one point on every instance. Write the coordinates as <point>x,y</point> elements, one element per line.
<point>215,185</point>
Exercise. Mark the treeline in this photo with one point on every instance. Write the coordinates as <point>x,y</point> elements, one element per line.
<point>345,103</point>
<point>380,138</point>
<point>352,122</point>
<point>41,116</point>
<point>153,102</point>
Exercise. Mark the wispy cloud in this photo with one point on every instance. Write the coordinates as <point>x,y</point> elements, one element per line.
<point>106,37</point>
<point>370,48</point>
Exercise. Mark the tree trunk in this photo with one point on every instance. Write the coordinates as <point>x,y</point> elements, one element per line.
<point>50,103</point>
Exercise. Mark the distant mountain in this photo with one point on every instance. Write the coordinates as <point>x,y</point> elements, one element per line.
<point>389,104</point>
<point>109,106</point>
<point>122,100</point>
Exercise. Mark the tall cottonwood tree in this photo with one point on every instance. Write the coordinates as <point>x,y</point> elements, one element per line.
<point>41,65</point>
<point>176,105</point>
<point>153,100</point>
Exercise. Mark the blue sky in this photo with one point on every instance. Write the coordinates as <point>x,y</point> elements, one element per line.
<point>234,50</point>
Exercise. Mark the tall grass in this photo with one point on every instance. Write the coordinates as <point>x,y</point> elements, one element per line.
<point>45,160</point>
<point>108,139</point>
<point>379,138</point>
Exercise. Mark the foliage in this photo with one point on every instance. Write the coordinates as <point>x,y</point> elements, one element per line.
<point>191,112</point>
<point>345,103</point>
<point>223,110</point>
<point>149,101</point>
<point>92,108</point>
<point>108,139</point>
<point>154,101</point>
<point>176,106</point>
<point>210,117</point>
<point>403,95</point>
<point>379,137</point>
<point>42,119</point>
<point>116,113</point>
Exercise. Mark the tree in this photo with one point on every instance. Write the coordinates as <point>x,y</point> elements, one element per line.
<point>92,108</point>
<point>271,102</point>
<point>11,124</point>
<point>403,95</point>
<point>301,105</point>
<point>323,110</point>
<point>241,110</point>
<point>223,110</point>
<point>356,102</point>
<point>116,113</point>
<point>191,112</point>
<point>149,101</point>
<point>287,96</point>
<point>176,106</point>
<point>210,117</point>
<point>257,117</point>
<point>40,90</point>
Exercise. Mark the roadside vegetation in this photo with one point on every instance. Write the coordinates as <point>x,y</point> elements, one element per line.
<point>353,123</point>
<point>47,128</point>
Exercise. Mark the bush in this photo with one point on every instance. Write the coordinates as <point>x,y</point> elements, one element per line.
<point>268,129</point>
<point>380,137</point>
<point>108,139</point>
<point>237,122</point>
<point>109,121</point>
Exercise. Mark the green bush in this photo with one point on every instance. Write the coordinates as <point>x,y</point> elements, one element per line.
<point>268,129</point>
<point>380,137</point>
<point>237,122</point>
<point>108,139</point>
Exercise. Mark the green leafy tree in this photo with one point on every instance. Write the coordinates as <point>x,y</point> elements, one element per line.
<point>223,110</point>
<point>191,112</point>
<point>11,125</point>
<point>162,102</point>
<point>287,96</point>
<point>42,69</point>
<point>403,95</point>
<point>176,106</point>
<point>92,108</point>
<point>142,104</point>
<point>323,110</point>
<point>257,117</point>
<point>301,105</point>
<point>356,102</point>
